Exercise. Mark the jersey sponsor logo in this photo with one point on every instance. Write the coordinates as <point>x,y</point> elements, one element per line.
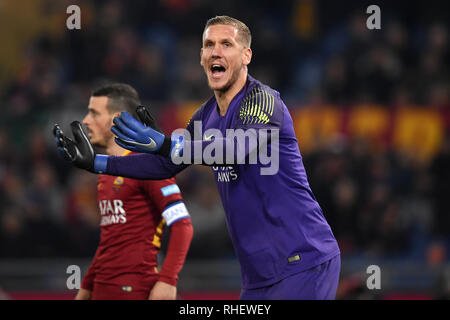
<point>174,212</point>
<point>225,174</point>
<point>168,190</point>
<point>207,138</point>
<point>111,212</point>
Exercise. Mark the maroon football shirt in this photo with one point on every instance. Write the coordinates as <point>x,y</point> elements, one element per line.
<point>131,225</point>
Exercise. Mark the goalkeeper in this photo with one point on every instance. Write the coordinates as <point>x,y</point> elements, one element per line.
<point>285,246</point>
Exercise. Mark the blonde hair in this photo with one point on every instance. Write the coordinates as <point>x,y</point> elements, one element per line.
<point>243,30</point>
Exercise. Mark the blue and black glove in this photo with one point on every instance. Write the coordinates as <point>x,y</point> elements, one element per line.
<point>79,151</point>
<point>135,136</point>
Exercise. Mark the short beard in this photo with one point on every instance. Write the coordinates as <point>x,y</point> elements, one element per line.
<point>228,85</point>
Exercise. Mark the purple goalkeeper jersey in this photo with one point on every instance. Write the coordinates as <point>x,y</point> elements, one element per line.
<point>275,223</point>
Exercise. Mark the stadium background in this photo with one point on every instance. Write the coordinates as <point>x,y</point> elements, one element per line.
<point>371,110</point>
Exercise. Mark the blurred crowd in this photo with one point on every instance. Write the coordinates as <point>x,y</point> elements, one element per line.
<point>383,204</point>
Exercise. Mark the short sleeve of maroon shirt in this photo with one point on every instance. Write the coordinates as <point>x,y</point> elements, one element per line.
<point>131,225</point>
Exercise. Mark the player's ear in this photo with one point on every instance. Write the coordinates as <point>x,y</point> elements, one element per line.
<point>247,57</point>
<point>115,114</point>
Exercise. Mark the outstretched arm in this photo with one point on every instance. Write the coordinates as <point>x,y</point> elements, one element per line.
<point>141,166</point>
<point>211,149</point>
<point>80,152</point>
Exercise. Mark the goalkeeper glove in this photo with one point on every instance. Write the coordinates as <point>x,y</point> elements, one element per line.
<point>133,135</point>
<point>79,151</point>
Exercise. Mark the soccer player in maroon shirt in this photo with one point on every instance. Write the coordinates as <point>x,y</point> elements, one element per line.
<point>133,216</point>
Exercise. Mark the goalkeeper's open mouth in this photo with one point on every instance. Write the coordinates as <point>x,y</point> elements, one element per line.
<point>217,71</point>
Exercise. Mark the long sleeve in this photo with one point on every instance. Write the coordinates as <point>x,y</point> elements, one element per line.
<point>167,199</point>
<point>143,166</point>
<point>181,233</point>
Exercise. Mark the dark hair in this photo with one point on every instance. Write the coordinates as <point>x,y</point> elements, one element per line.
<point>243,30</point>
<point>121,97</point>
